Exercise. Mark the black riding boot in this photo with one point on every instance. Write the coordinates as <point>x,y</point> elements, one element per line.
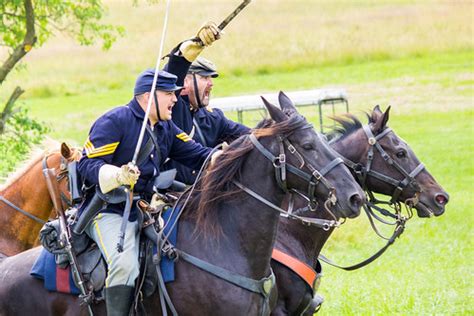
<point>118,300</point>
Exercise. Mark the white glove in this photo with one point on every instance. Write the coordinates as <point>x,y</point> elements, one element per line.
<point>208,34</point>
<point>218,153</point>
<point>214,157</point>
<point>111,177</point>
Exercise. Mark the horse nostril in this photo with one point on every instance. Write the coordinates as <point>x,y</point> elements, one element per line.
<point>441,198</point>
<point>356,200</point>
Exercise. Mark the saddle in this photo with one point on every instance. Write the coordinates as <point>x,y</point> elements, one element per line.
<point>90,262</point>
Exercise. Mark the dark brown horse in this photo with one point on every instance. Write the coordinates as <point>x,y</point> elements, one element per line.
<point>26,191</point>
<point>223,226</point>
<point>305,242</point>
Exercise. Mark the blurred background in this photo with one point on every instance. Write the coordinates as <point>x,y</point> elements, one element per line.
<point>416,56</point>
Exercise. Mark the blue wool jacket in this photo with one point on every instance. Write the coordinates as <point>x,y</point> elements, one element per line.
<point>112,140</point>
<point>214,126</point>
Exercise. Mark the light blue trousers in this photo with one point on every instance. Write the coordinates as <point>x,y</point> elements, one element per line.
<point>123,268</point>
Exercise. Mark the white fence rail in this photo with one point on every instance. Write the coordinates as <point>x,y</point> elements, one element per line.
<point>318,98</point>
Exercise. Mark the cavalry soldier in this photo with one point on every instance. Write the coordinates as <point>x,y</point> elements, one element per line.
<point>191,113</point>
<point>105,162</point>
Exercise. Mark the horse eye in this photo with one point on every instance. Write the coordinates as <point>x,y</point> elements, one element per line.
<point>308,146</point>
<point>401,154</point>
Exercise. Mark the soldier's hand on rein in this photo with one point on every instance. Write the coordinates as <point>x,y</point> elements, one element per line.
<point>214,157</point>
<point>128,175</point>
<point>111,177</point>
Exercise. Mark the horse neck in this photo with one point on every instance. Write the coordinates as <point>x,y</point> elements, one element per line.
<point>353,147</point>
<point>28,192</point>
<point>248,226</point>
<point>302,241</point>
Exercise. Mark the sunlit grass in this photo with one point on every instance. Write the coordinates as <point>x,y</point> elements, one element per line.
<point>414,55</point>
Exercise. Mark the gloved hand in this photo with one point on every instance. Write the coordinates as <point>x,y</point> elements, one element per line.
<point>111,177</point>
<point>214,157</point>
<point>218,153</point>
<point>128,175</point>
<point>208,34</point>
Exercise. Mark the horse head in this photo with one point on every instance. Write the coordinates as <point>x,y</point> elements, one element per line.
<point>309,152</point>
<point>386,164</point>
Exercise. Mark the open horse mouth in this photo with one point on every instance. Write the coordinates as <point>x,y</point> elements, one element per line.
<point>436,208</point>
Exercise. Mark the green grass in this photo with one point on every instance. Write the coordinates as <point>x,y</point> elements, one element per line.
<point>428,270</point>
<point>417,56</point>
<point>70,116</point>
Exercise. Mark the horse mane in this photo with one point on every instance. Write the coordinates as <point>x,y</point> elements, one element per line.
<point>35,155</point>
<point>346,125</point>
<point>216,185</point>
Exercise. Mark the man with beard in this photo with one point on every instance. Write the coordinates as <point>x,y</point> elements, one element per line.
<point>191,113</point>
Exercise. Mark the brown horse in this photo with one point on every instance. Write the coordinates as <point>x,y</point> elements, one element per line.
<point>229,227</point>
<point>305,242</point>
<point>25,203</point>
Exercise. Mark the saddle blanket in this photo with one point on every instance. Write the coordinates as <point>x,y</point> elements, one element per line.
<point>55,278</point>
<point>167,264</point>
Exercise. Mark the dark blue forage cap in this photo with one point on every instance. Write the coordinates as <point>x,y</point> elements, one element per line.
<point>165,82</point>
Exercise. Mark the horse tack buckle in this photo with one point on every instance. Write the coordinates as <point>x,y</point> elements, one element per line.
<point>291,148</point>
<point>267,285</point>
<point>372,141</point>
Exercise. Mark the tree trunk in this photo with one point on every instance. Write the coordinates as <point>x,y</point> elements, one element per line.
<point>8,110</point>
<point>21,50</point>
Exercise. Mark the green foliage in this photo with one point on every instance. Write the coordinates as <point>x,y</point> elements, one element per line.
<point>80,19</point>
<point>21,132</point>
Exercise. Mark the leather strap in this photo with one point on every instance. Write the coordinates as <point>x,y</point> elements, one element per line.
<point>304,271</point>
<point>199,132</point>
<point>16,208</point>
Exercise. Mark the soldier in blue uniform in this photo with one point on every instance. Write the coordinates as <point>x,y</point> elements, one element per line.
<point>191,113</point>
<point>105,162</point>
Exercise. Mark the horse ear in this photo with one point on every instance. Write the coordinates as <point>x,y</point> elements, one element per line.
<point>379,119</point>
<point>286,104</point>
<point>275,113</point>
<point>66,151</point>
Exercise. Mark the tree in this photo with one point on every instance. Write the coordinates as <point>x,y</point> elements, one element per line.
<point>25,24</point>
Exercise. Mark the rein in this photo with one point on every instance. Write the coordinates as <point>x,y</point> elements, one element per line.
<point>16,208</point>
<point>266,284</point>
<point>361,173</point>
<point>61,175</point>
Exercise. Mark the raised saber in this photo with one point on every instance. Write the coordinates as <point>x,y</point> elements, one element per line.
<point>234,13</point>
<point>128,190</point>
<point>229,18</point>
<point>153,86</point>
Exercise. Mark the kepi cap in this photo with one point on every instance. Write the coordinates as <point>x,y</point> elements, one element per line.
<point>203,67</point>
<point>165,82</point>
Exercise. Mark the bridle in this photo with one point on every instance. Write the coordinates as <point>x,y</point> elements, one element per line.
<point>315,178</point>
<point>362,171</point>
<point>60,176</point>
<point>409,181</point>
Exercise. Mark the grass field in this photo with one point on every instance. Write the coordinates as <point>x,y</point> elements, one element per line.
<point>417,56</point>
